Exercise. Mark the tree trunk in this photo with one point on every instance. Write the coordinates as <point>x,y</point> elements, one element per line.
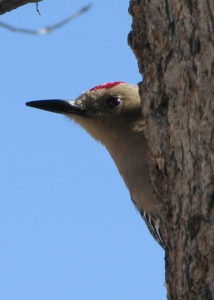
<point>8,5</point>
<point>174,45</point>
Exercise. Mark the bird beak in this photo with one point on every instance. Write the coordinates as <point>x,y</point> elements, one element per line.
<point>59,106</point>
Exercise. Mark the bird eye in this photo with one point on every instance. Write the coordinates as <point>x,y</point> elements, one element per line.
<point>113,101</point>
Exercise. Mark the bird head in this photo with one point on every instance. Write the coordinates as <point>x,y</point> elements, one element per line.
<point>105,111</point>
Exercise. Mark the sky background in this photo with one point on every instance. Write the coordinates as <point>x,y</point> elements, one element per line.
<point>68,229</point>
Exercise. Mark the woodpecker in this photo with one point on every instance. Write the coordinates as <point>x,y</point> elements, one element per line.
<point>112,114</point>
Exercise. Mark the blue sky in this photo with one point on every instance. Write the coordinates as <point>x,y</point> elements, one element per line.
<point>68,229</point>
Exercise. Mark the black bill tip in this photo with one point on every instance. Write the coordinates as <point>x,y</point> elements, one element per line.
<point>58,106</point>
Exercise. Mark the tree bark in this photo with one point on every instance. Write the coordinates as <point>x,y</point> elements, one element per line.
<point>6,5</point>
<point>174,45</point>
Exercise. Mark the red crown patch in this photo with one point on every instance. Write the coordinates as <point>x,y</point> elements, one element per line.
<point>106,85</point>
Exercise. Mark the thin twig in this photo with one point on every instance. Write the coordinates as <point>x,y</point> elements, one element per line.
<point>47,29</point>
<point>37,8</point>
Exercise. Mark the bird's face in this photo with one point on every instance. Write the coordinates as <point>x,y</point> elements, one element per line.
<point>102,111</point>
<point>112,104</point>
<point>107,111</point>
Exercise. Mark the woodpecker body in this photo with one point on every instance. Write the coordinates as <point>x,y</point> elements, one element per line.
<point>111,113</point>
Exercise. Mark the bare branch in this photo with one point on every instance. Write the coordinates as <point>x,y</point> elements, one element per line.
<point>6,6</point>
<point>47,29</point>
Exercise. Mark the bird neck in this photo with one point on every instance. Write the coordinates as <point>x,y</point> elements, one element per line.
<point>129,154</point>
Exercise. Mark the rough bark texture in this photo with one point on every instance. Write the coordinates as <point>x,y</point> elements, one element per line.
<point>8,5</point>
<point>174,44</point>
